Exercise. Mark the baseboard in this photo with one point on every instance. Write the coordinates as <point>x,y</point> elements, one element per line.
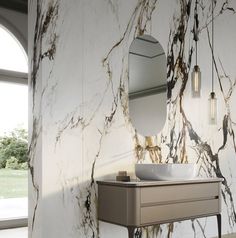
<point>233,235</point>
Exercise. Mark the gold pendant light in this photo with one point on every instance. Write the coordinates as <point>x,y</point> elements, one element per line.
<point>212,98</point>
<point>196,74</point>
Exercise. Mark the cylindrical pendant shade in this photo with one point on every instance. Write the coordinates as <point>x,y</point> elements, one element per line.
<point>212,109</point>
<point>196,82</point>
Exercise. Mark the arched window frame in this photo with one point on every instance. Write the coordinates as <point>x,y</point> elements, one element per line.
<point>9,75</point>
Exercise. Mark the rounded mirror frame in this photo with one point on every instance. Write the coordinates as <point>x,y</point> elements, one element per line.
<point>147,85</point>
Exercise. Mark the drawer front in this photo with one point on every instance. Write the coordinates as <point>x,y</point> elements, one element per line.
<point>173,193</point>
<point>172,212</point>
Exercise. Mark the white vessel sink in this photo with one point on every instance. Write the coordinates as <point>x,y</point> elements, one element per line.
<point>166,171</point>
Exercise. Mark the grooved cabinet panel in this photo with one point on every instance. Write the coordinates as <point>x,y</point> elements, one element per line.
<point>178,192</point>
<point>162,213</point>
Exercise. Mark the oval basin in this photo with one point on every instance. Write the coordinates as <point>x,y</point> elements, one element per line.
<point>166,171</point>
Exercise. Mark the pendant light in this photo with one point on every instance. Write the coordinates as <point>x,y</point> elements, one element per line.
<point>212,99</point>
<point>196,74</point>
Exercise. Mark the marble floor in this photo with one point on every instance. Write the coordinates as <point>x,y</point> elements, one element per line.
<point>229,236</point>
<point>14,233</point>
<point>23,233</point>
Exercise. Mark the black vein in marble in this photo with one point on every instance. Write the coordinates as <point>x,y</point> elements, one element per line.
<point>42,24</point>
<point>178,70</point>
<point>138,22</point>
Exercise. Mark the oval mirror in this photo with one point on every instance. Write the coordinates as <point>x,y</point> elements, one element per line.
<point>147,85</point>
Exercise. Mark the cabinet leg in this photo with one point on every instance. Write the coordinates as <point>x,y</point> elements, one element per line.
<point>131,232</point>
<point>219,225</point>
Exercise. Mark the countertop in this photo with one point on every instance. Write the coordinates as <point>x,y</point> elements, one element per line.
<point>138,183</point>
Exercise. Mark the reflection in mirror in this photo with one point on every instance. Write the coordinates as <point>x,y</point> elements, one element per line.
<point>147,85</point>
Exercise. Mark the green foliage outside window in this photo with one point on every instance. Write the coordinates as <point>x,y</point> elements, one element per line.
<point>13,150</point>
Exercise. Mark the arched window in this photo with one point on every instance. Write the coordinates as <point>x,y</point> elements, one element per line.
<point>12,54</point>
<point>13,129</point>
<point>13,82</point>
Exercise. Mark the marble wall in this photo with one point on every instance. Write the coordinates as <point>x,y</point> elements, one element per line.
<point>80,128</point>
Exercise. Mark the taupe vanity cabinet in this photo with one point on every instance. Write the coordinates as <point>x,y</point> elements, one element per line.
<point>139,204</point>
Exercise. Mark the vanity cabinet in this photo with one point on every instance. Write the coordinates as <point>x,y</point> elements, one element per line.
<point>145,203</point>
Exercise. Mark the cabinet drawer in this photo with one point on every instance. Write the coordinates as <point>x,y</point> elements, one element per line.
<point>172,193</point>
<point>178,211</point>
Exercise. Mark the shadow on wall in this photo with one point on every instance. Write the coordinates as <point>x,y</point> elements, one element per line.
<point>78,210</point>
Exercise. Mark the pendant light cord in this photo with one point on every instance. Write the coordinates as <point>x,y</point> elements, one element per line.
<point>196,51</point>
<point>212,45</point>
<point>196,29</point>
